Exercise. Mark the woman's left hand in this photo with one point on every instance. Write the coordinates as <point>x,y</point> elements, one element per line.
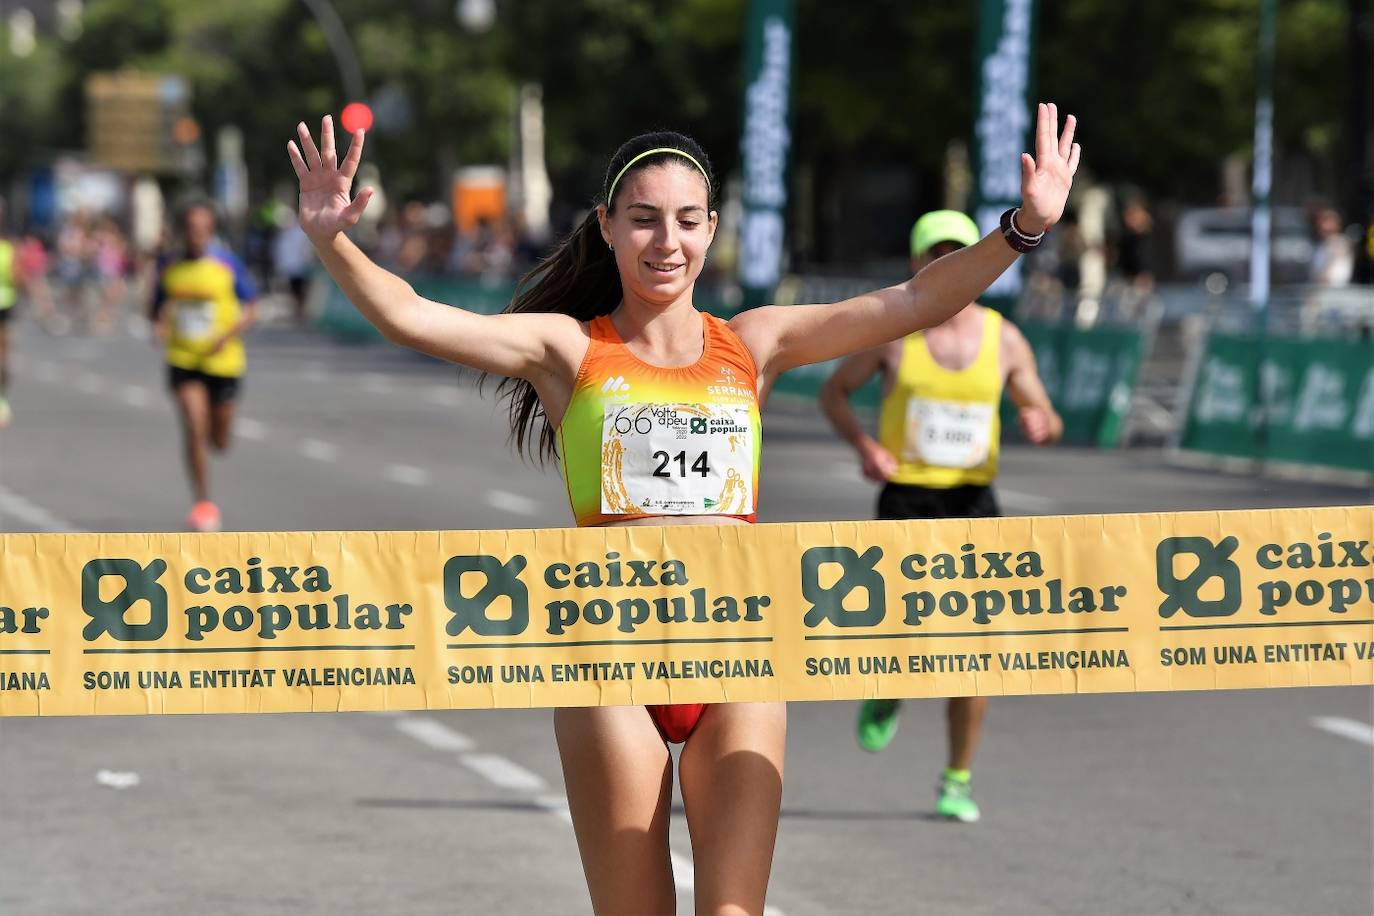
<point>1046,179</point>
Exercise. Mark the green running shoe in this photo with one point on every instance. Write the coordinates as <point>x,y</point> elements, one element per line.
<point>955,799</point>
<point>877,723</point>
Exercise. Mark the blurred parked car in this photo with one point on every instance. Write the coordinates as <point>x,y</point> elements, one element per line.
<point>1215,240</point>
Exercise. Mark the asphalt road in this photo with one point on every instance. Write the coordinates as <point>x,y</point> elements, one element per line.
<point>1229,802</point>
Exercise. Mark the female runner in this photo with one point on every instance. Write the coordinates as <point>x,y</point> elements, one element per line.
<point>607,323</point>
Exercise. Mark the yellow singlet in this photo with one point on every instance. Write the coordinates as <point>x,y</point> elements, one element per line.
<point>942,424</point>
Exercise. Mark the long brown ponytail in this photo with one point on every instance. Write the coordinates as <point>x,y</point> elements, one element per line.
<point>580,278</point>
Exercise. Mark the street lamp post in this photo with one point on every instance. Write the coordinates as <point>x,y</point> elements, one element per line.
<point>341,45</point>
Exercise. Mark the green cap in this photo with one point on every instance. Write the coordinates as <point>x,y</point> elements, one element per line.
<point>942,226</point>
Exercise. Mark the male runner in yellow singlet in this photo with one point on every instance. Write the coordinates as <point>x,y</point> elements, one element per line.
<point>203,303</point>
<point>937,448</point>
<point>11,278</point>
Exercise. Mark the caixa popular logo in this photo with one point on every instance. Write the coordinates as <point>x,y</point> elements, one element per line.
<point>1326,572</point>
<point>845,588</point>
<point>488,597</point>
<point>268,599</point>
<point>855,572</point>
<point>500,580</point>
<point>140,583</point>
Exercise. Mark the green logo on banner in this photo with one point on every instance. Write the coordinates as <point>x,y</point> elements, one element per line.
<point>140,583</point>
<point>697,425</point>
<point>857,571</point>
<point>1213,561</point>
<point>502,580</point>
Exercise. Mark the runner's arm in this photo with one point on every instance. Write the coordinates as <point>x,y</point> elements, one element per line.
<point>784,337</point>
<point>877,463</point>
<point>520,346</point>
<point>849,376</point>
<point>1039,420</point>
<point>517,346</point>
<point>797,335</point>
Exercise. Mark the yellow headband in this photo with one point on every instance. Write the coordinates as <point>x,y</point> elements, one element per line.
<point>610,195</point>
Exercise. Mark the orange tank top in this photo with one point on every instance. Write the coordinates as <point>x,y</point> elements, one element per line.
<point>640,441</point>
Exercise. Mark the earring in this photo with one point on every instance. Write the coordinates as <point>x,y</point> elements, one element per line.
<point>610,246</point>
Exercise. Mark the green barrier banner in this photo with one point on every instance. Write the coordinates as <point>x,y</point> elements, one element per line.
<point>765,141</point>
<point>1089,375</point>
<point>1317,406</point>
<point>1002,80</point>
<point>325,621</point>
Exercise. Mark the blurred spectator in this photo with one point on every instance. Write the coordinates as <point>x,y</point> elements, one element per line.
<point>109,257</point>
<point>1333,259</point>
<point>487,251</point>
<point>413,244</point>
<point>292,258</point>
<point>32,257</point>
<point>1069,246</point>
<point>1133,257</point>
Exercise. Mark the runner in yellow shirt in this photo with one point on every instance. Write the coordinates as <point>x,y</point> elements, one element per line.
<point>937,449</point>
<point>10,279</point>
<point>203,303</point>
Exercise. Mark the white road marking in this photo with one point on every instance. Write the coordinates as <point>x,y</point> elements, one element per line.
<point>117,779</point>
<point>507,501</point>
<point>135,396</point>
<point>684,874</point>
<point>557,805</point>
<point>315,372</point>
<point>1346,728</point>
<point>1024,502</point>
<point>407,474</point>
<point>434,734</point>
<point>319,451</point>
<point>376,383</point>
<point>46,372</point>
<point>248,428</point>
<point>847,470</point>
<point>89,383</point>
<point>502,772</point>
<point>445,396</point>
<point>41,519</point>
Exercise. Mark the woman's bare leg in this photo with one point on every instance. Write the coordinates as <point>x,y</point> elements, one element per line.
<point>731,774</point>
<point>619,778</point>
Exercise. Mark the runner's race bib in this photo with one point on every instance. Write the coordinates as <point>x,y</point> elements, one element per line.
<point>677,459</point>
<point>948,434</point>
<point>194,319</point>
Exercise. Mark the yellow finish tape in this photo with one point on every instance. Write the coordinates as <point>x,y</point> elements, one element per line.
<point>283,622</point>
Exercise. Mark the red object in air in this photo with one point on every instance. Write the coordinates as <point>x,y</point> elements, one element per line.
<point>356,116</point>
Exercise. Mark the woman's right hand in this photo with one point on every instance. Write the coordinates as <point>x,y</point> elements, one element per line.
<point>325,209</point>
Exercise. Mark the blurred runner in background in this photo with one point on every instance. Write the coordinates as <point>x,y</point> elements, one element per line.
<point>11,277</point>
<point>937,449</point>
<point>202,304</point>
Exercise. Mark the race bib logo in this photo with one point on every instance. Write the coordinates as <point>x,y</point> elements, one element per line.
<point>110,616</point>
<point>1185,593</point>
<point>857,571</point>
<point>501,580</point>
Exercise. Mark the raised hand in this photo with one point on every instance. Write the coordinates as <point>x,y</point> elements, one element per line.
<point>325,209</point>
<point>1046,179</point>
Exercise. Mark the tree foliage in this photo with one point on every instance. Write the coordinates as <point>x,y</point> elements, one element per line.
<point>1164,90</point>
